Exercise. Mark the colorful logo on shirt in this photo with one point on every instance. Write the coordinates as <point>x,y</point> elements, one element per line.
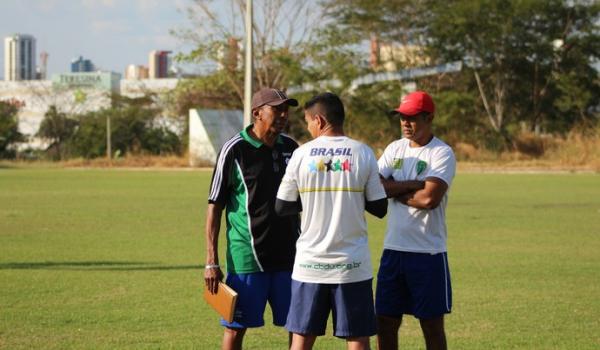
<point>329,165</point>
<point>397,164</point>
<point>421,166</point>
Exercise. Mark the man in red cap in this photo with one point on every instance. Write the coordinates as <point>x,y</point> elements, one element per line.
<point>413,277</point>
<point>260,244</point>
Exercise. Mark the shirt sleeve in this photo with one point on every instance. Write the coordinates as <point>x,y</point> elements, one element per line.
<point>386,162</point>
<point>374,189</point>
<point>221,179</point>
<point>288,189</point>
<point>443,166</point>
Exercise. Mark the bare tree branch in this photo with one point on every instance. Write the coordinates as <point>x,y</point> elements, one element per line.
<point>280,29</point>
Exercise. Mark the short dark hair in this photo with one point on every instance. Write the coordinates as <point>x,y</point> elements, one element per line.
<point>329,105</point>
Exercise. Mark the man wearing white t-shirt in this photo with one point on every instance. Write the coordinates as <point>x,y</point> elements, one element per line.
<point>413,277</point>
<point>337,179</point>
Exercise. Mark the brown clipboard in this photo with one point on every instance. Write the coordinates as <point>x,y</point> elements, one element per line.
<point>223,301</point>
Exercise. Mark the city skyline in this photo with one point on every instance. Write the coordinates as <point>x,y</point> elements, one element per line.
<point>112,34</point>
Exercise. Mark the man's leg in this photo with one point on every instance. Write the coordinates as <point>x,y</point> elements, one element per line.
<point>303,341</point>
<point>354,314</point>
<point>387,332</point>
<point>233,338</point>
<point>393,298</point>
<point>252,299</point>
<point>429,280</point>
<point>309,310</point>
<point>433,330</point>
<point>280,294</point>
<point>360,343</point>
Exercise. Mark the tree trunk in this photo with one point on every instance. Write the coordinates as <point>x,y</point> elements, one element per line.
<point>496,116</point>
<point>486,105</point>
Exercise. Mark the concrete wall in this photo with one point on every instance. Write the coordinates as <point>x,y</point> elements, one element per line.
<point>209,130</point>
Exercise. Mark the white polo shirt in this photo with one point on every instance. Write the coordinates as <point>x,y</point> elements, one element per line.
<point>333,177</point>
<point>410,229</point>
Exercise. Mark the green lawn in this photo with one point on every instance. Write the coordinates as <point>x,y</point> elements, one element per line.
<point>105,259</point>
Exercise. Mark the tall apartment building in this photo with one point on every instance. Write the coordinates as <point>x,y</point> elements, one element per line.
<point>81,65</point>
<point>19,57</point>
<point>133,72</point>
<point>159,63</point>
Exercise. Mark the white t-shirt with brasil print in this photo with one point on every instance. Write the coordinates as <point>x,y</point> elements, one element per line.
<point>410,229</point>
<point>333,176</point>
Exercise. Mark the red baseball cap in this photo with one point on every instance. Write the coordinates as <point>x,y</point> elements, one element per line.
<point>415,103</point>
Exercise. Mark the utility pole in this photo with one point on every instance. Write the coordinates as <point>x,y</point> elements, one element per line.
<point>248,66</point>
<point>108,143</point>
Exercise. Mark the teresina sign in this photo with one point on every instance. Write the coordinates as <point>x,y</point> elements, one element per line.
<point>80,80</point>
<point>96,80</point>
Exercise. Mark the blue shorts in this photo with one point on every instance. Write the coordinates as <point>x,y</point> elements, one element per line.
<point>254,290</point>
<point>351,304</point>
<point>413,283</point>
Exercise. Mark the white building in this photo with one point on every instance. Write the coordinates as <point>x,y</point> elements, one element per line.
<point>73,93</point>
<point>19,57</point>
<point>78,93</point>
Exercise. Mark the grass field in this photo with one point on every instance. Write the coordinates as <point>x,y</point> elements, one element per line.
<point>106,259</point>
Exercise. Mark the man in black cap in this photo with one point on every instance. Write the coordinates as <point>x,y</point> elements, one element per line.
<point>260,244</point>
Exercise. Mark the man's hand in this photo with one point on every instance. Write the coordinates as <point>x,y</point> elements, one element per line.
<point>403,198</point>
<point>427,198</point>
<point>212,277</point>
<point>395,189</point>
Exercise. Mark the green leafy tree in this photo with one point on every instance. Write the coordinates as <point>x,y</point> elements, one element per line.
<point>135,129</point>
<point>339,57</point>
<point>525,56</point>
<point>57,128</point>
<point>89,141</point>
<point>527,62</point>
<point>9,129</point>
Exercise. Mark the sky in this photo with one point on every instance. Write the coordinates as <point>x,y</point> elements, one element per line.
<point>112,33</point>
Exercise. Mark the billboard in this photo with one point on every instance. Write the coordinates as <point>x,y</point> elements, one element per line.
<point>108,81</point>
